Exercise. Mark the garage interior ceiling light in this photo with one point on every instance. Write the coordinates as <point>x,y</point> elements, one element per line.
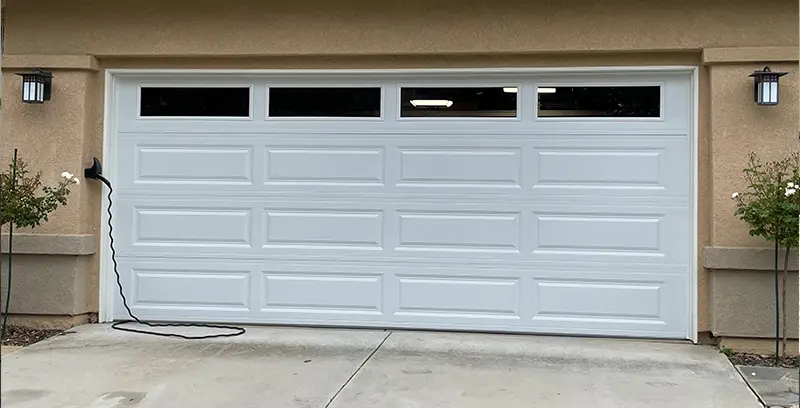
<point>539,90</point>
<point>431,103</point>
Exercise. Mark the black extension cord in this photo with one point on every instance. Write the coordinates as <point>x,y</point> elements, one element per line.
<point>237,331</point>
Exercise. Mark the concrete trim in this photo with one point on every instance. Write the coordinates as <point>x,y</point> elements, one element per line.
<point>55,62</point>
<point>757,345</point>
<point>749,54</point>
<point>58,322</point>
<point>752,259</point>
<point>41,244</point>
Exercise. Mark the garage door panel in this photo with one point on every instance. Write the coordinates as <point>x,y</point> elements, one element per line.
<point>417,228</point>
<point>459,166</point>
<point>354,228</point>
<point>601,166</point>
<point>538,225</point>
<point>464,296</point>
<point>609,300</point>
<point>192,226</point>
<point>324,166</point>
<point>194,164</point>
<point>578,297</point>
<point>186,164</point>
<point>551,165</point>
<point>322,293</point>
<point>208,287</point>
<point>204,288</point>
<point>459,231</point>
<point>635,235</point>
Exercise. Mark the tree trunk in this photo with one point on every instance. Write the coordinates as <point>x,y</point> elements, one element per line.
<point>783,300</point>
<point>777,305</point>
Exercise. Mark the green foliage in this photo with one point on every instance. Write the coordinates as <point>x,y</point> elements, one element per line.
<point>727,351</point>
<point>771,203</point>
<point>25,201</point>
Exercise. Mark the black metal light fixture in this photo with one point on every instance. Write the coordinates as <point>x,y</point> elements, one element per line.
<point>37,86</point>
<point>766,86</point>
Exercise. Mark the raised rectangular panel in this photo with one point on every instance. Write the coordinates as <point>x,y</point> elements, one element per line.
<point>597,232</point>
<point>192,226</point>
<point>322,293</point>
<point>191,288</point>
<point>478,166</point>
<point>465,296</point>
<point>323,228</point>
<point>194,164</point>
<point>611,168</point>
<point>325,166</point>
<point>597,298</point>
<point>459,231</point>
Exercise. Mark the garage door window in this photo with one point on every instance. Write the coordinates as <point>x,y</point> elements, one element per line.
<point>325,102</point>
<point>194,102</point>
<point>599,101</point>
<point>430,102</point>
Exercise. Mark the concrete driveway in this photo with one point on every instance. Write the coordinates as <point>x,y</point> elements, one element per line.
<point>95,367</point>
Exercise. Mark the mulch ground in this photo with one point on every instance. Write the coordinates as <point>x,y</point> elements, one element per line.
<point>23,336</point>
<point>747,359</point>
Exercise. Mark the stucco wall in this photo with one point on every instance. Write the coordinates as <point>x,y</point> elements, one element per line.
<point>406,34</point>
<point>261,27</point>
<point>50,138</point>
<point>737,128</point>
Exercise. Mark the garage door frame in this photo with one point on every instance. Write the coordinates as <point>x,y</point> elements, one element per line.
<point>107,281</point>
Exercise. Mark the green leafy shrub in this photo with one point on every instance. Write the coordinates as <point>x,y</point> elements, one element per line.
<point>24,201</point>
<point>771,203</point>
<point>770,206</point>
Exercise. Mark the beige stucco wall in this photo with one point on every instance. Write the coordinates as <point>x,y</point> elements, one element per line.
<point>346,27</point>
<point>738,128</point>
<point>744,304</point>
<point>727,39</point>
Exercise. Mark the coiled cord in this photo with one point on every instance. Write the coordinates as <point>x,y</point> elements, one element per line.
<point>236,331</point>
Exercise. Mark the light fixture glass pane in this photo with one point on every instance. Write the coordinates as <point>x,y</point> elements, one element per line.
<point>26,91</point>
<point>764,94</point>
<point>40,92</point>
<point>773,93</point>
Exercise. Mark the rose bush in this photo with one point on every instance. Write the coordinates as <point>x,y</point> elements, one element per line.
<point>770,205</point>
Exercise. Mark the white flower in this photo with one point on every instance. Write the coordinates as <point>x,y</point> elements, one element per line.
<point>790,185</point>
<point>75,179</point>
<point>789,192</point>
<point>734,196</point>
<point>67,175</point>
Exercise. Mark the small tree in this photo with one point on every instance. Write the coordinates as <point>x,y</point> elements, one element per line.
<point>770,205</point>
<point>26,203</point>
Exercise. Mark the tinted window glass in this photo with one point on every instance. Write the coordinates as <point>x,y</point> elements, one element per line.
<point>600,101</point>
<point>199,102</point>
<point>497,102</point>
<point>325,102</point>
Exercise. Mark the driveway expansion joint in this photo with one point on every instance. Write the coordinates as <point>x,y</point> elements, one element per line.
<point>363,363</point>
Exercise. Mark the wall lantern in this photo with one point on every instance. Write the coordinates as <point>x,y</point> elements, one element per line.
<point>36,86</point>
<point>766,86</point>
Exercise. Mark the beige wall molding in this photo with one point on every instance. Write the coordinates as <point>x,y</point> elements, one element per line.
<point>732,55</point>
<point>759,346</point>
<point>53,62</point>
<point>751,259</point>
<point>55,244</point>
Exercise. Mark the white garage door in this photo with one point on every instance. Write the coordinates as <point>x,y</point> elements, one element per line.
<point>519,202</point>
